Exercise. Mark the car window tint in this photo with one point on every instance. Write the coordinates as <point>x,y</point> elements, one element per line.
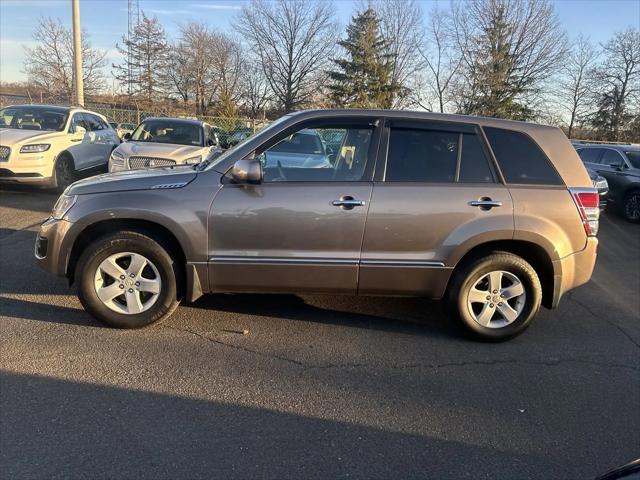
<point>634,158</point>
<point>590,155</point>
<point>474,165</point>
<point>421,156</point>
<point>95,123</point>
<point>612,158</point>
<point>303,156</point>
<point>79,120</point>
<point>520,158</point>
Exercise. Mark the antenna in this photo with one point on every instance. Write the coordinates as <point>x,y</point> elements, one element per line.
<point>133,19</point>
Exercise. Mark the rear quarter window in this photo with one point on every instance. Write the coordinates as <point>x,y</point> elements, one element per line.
<point>520,158</point>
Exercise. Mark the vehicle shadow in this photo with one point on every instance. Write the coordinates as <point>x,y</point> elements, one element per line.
<point>413,316</point>
<point>46,312</point>
<point>60,428</point>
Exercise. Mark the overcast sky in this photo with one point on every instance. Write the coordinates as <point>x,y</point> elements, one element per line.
<point>106,20</point>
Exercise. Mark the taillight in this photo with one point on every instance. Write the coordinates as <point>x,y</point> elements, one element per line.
<point>588,203</point>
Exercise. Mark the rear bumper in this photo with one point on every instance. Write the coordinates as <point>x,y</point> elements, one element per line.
<point>574,270</point>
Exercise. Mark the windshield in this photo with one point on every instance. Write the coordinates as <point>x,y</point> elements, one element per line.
<point>634,158</point>
<point>216,158</point>
<point>166,131</point>
<point>30,117</point>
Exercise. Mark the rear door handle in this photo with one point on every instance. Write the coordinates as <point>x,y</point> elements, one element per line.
<point>485,204</point>
<point>347,203</point>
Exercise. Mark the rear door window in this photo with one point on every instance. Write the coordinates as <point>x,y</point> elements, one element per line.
<point>521,160</point>
<point>422,156</point>
<point>612,158</point>
<point>590,155</point>
<point>474,165</point>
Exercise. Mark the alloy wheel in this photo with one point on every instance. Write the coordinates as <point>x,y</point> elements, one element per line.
<point>632,207</point>
<point>496,299</point>
<point>127,283</point>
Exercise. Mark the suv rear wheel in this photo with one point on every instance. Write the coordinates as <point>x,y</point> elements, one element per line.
<point>631,206</point>
<point>127,280</point>
<point>495,297</point>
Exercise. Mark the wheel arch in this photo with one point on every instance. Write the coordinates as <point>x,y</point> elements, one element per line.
<point>534,254</point>
<point>188,278</point>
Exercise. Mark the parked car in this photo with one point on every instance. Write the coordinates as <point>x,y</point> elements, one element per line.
<point>162,142</point>
<point>303,149</point>
<point>238,135</point>
<point>600,183</point>
<point>48,145</point>
<point>497,217</point>
<point>123,128</point>
<point>620,165</point>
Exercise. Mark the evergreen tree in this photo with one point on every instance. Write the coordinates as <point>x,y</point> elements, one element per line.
<point>363,79</point>
<point>495,88</point>
<point>145,59</point>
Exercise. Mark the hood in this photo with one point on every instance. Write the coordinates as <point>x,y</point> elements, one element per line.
<point>168,177</point>
<point>11,136</point>
<point>171,151</point>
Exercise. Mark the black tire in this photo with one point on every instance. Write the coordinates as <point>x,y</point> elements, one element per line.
<point>64,172</point>
<point>135,242</point>
<point>631,207</point>
<point>468,275</point>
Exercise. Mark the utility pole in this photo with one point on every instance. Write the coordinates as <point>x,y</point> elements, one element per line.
<point>77,53</point>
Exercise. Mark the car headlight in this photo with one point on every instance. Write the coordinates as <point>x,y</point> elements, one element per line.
<point>63,205</point>
<point>601,183</point>
<point>193,160</point>
<point>116,155</point>
<point>35,148</point>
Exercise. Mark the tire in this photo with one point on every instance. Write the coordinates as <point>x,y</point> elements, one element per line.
<point>64,173</point>
<point>155,288</point>
<point>479,307</point>
<point>631,207</point>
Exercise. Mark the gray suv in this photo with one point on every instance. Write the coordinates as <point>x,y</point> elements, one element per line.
<point>620,166</point>
<point>497,217</point>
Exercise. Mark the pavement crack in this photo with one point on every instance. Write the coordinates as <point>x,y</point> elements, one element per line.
<point>589,310</point>
<point>552,362</point>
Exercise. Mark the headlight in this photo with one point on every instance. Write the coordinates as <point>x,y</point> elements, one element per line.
<point>35,148</point>
<point>193,160</point>
<point>601,183</point>
<point>63,205</point>
<point>116,155</point>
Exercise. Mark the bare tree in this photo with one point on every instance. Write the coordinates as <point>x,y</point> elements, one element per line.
<point>442,61</point>
<point>293,40</point>
<point>49,65</point>
<point>177,73</point>
<point>577,81</point>
<point>401,27</point>
<point>255,91</point>
<point>619,76</point>
<point>510,47</point>
<point>226,60</point>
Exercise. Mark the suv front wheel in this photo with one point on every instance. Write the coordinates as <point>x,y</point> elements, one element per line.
<point>495,297</point>
<point>127,280</point>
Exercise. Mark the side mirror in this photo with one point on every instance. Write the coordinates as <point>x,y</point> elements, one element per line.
<point>79,131</point>
<point>126,136</point>
<point>212,142</point>
<point>247,171</point>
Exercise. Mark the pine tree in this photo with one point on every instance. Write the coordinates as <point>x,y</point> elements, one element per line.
<point>495,88</point>
<point>145,58</point>
<point>363,79</point>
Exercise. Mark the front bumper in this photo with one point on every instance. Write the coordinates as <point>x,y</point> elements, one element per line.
<point>53,246</point>
<point>27,168</point>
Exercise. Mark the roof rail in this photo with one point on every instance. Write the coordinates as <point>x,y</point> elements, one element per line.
<point>603,142</point>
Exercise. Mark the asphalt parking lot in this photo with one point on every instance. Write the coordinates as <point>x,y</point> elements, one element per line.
<point>320,387</point>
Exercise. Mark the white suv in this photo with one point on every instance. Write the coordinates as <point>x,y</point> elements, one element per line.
<point>48,145</point>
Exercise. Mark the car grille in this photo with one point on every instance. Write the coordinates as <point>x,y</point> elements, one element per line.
<point>147,162</point>
<point>4,153</point>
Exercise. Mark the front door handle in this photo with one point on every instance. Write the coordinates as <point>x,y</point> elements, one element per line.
<point>347,203</point>
<point>485,203</point>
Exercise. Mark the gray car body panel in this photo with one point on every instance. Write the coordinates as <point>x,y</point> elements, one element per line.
<point>288,237</point>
